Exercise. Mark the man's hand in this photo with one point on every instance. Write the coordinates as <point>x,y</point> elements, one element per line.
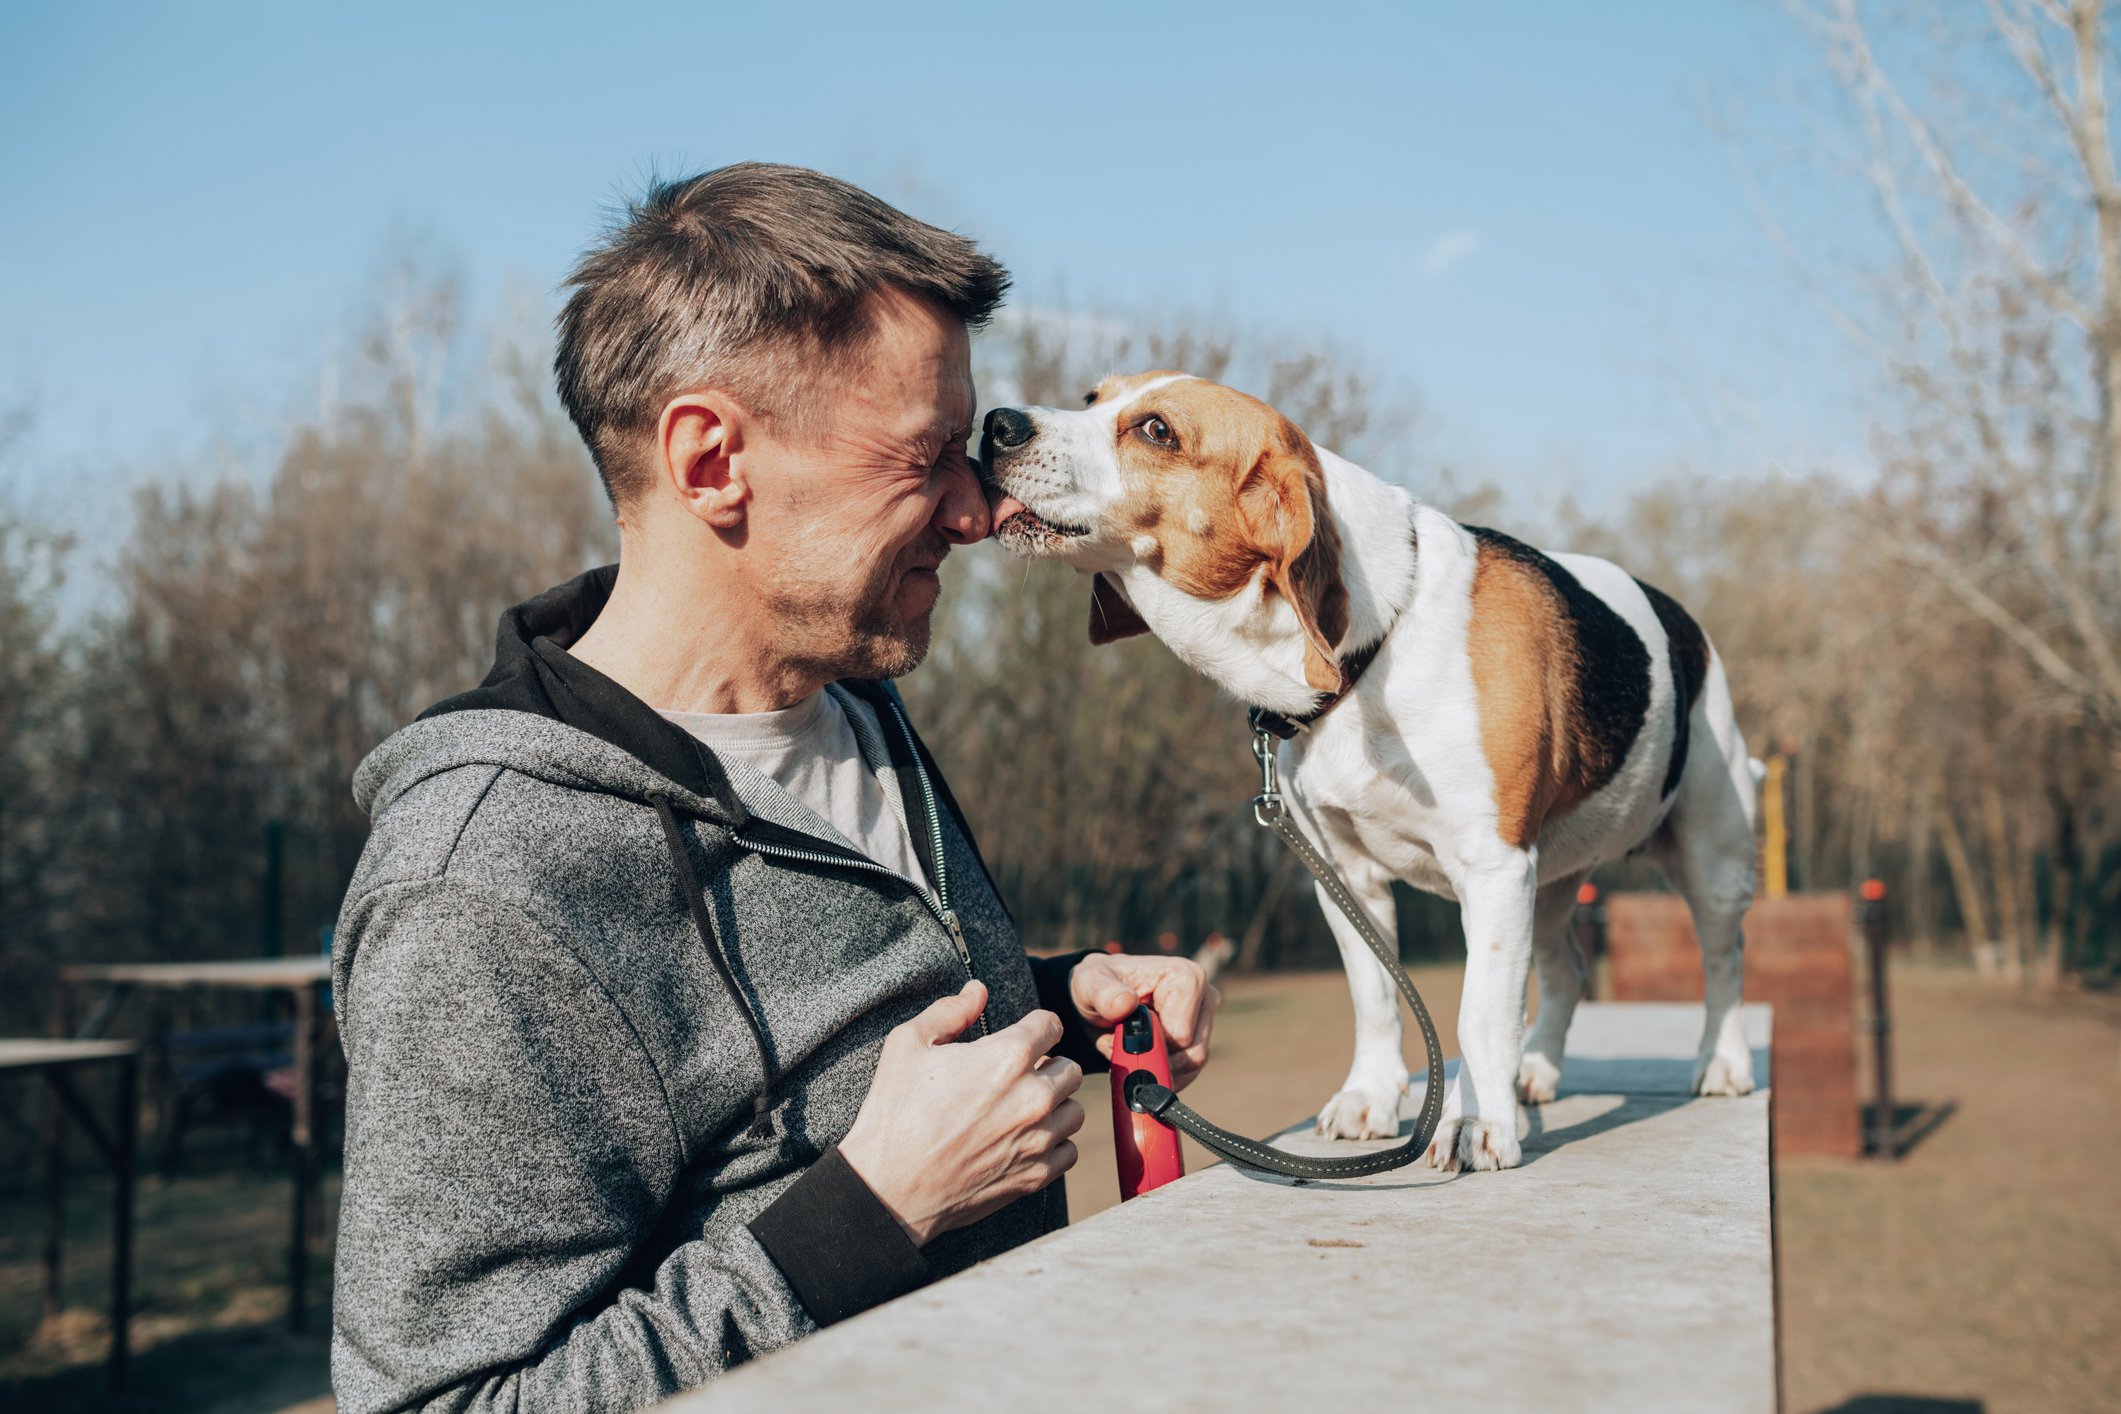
<point>1107,987</point>
<point>952,1133</point>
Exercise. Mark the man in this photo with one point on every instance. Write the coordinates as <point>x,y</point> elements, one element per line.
<point>648,972</point>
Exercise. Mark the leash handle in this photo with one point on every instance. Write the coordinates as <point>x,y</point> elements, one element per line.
<point>1147,1148</point>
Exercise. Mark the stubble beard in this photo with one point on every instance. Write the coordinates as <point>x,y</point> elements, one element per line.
<point>833,637</point>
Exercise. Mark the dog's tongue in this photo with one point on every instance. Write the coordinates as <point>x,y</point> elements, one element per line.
<point>1006,506</point>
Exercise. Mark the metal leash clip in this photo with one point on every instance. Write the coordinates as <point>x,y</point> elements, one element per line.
<point>1266,806</point>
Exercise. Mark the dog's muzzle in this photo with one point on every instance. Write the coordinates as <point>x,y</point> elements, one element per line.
<point>1006,430</point>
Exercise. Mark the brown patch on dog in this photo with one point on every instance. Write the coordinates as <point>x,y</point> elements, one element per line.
<point>1112,614</point>
<point>1310,577</point>
<point>1522,663</point>
<point>1563,684</point>
<point>1240,492</point>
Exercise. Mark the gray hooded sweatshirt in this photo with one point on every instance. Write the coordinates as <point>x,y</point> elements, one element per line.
<point>607,1011</point>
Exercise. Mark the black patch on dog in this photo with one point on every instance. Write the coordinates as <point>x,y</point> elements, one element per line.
<point>1612,665</point>
<point>1689,650</point>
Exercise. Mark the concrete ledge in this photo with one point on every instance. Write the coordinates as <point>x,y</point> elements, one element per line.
<point>1628,1265</point>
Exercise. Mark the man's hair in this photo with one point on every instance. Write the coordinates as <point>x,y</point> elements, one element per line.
<point>751,279</point>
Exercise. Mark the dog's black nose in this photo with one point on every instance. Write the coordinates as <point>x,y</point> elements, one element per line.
<point>1007,428</point>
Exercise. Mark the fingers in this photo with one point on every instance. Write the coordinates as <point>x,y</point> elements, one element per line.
<point>1036,1033</point>
<point>1101,992</point>
<point>1176,987</point>
<point>1179,995</point>
<point>1061,1075</point>
<point>952,1017</point>
<point>1187,1061</point>
<point>1056,1161</point>
<point>1066,1119</point>
<point>1107,989</point>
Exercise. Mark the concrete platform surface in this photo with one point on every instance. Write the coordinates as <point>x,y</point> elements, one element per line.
<point>1627,1265</point>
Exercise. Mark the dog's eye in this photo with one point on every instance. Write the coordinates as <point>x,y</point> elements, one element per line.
<point>1159,431</point>
<point>1090,398</point>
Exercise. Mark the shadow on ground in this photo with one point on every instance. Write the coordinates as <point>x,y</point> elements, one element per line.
<point>1911,1125</point>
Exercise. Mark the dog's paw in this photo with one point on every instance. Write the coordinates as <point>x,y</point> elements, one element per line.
<point>1537,1079</point>
<point>1360,1114</point>
<point>1442,1152</point>
<point>1475,1145</point>
<point>1718,1074</point>
<point>1485,1145</point>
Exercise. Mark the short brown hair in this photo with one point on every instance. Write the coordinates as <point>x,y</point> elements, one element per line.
<point>752,279</point>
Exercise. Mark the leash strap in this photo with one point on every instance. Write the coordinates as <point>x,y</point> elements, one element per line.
<point>1146,1095</point>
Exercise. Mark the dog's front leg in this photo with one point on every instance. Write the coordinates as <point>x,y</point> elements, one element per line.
<point>1367,1105</point>
<point>1496,902</point>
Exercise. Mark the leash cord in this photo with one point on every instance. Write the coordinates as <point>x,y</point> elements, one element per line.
<point>1146,1095</point>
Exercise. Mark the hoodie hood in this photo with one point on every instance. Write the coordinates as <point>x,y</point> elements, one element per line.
<point>541,747</point>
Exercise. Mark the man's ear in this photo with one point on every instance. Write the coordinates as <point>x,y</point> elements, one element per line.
<point>698,438</point>
<point>1284,499</point>
<point>1112,615</point>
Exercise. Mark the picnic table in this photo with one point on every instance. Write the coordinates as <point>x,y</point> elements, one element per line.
<point>56,1061</point>
<point>303,980</point>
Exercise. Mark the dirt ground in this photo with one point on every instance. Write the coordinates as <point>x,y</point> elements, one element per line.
<point>1981,1272</point>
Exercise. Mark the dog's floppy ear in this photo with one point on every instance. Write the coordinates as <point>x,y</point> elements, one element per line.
<point>1284,498</point>
<point>1112,615</point>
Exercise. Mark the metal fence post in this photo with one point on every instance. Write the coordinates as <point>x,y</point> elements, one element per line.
<point>1871,913</point>
<point>123,1140</point>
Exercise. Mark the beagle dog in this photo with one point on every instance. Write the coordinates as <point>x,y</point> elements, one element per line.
<point>1465,713</point>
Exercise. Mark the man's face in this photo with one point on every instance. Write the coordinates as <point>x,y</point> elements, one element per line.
<point>856,518</point>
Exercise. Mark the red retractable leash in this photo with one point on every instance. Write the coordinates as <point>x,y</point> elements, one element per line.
<point>1148,1150</point>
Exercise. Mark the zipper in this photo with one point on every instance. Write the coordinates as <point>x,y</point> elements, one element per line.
<point>935,826</point>
<point>937,899</point>
<point>854,861</point>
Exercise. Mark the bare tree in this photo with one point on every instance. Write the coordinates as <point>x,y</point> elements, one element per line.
<point>1988,157</point>
<point>37,748</point>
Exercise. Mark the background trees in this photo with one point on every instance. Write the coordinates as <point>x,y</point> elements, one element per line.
<point>1983,144</point>
<point>1935,636</point>
<point>252,642</point>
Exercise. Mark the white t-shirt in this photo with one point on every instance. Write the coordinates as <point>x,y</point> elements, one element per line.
<point>811,751</point>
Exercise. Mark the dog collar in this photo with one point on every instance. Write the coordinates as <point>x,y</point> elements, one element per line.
<point>1351,671</point>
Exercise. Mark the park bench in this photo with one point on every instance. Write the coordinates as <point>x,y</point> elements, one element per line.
<point>1628,1265</point>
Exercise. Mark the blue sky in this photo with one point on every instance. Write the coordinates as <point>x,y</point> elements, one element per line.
<point>1515,212</point>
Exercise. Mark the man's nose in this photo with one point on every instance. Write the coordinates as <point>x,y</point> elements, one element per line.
<point>1007,428</point>
<point>963,515</point>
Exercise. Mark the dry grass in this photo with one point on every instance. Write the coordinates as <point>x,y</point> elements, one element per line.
<point>1984,1267</point>
<point>210,1301</point>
